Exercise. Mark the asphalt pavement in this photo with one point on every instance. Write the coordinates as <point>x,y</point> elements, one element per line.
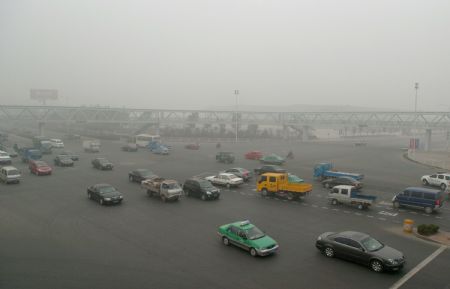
<point>54,237</point>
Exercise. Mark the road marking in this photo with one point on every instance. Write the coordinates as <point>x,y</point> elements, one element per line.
<point>385,203</point>
<point>358,214</point>
<point>254,190</point>
<point>369,216</point>
<point>314,206</point>
<point>415,213</point>
<point>326,208</point>
<point>303,204</point>
<point>438,217</point>
<point>347,212</point>
<point>416,269</point>
<point>382,219</point>
<point>387,213</point>
<point>426,215</point>
<point>336,210</point>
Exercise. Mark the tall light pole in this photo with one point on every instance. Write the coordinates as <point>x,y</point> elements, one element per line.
<point>416,87</point>
<point>236,92</point>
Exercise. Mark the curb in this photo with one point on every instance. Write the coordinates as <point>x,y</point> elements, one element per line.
<point>405,156</point>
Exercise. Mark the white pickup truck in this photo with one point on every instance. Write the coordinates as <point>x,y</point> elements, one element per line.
<point>164,188</point>
<point>350,196</point>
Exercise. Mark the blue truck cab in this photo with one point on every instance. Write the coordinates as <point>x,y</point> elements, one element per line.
<point>428,199</point>
<point>325,170</point>
<point>28,154</point>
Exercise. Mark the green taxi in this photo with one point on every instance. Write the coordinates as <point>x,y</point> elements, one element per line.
<point>247,236</point>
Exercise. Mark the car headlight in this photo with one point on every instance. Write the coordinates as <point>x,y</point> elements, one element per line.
<point>392,261</point>
<point>120,197</point>
<point>107,199</point>
<point>319,238</point>
<point>208,193</point>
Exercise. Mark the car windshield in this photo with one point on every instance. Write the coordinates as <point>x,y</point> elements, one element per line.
<point>41,164</point>
<point>64,157</point>
<point>254,233</point>
<point>172,186</point>
<point>206,185</point>
<point>372,244</point>
<point>103,161</point>
<point>13,172</point>
<point>106,189</point>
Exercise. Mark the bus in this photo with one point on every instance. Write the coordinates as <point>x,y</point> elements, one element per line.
<point>142,140</point>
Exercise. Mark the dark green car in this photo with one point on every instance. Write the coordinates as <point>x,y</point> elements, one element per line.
<point>272,159</point>
<point>247,236</point>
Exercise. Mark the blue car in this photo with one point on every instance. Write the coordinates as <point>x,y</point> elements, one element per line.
<point>428,199</point>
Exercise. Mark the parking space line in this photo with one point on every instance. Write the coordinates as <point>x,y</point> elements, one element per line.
<point>369,216</point>
<point>336,210</point>
<point>416,269</point>
<point>358,214</point>
<point>314,206</point>
<point>325,208</point>
<point>382,219</point>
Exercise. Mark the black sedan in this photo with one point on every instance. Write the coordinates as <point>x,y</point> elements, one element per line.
<point>104,194</point>
<point>70,154</point>
<point>102,164</point>
<point>329,183</point>
<point>269,169</point>
<point>63,161</point>
<point>360,248</point>
<point>139,175</point>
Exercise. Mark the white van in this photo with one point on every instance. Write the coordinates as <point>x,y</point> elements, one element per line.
<point>5,158</point>
<point>9,174</point>
<point>57,143</point>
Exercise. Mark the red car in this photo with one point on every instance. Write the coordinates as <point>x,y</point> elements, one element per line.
<point>192,146</point>
<point>39,168</point>
<point>254,155</point>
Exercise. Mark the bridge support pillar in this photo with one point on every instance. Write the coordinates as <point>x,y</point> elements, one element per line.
<point>427,144</point>
<point>40,128</point>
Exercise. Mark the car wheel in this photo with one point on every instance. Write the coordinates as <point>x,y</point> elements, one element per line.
<point>443,187</point>
<point>428,210</point>
<point>334,202</point>
<point>329,252</point>
<point>360,206</point>
<point>203,197</point>
<point>290,196</point>
<point>131,178</point>
<point>396,204</point>
<point>264,192</point>
<point>376,266</point>
<point>253,252</point>
<point>225,241</point>
<point>425,182</point>
<point>89,196</point>
<point>102,202</point>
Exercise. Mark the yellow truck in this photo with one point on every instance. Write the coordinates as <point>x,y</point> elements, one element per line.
<point>279,184</point>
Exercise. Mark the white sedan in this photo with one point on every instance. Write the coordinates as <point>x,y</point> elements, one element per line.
<point>225,179</point>
<point>57,143</point>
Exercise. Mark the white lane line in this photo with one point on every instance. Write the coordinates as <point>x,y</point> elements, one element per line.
<point>336,210</point>
<point>326,208</point>
<point>369,216</point>
<point>358,214</point>
<point>314,206</point>
<point>416,269</point>
<point>425,215</point>
<point>382,219</point>
<point>437,217</point>
<point>303,204</point>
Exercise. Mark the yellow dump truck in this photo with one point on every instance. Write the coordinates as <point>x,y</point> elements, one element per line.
<point>279,184</point>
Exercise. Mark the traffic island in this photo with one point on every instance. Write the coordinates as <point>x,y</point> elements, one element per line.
<point>441,237</point>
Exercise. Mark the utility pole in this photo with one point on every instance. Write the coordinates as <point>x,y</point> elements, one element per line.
<point>416,87</point>
<point>236,92</point>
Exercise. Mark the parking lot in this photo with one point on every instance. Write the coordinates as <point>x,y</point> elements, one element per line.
<point>54,237</point>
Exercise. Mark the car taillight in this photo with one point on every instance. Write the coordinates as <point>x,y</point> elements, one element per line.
<point>438,202</point>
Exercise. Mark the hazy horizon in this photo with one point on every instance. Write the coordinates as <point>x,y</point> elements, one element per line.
<point>194,54</point>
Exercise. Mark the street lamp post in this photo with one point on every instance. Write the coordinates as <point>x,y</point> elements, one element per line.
<point>416,87</point>
<point>236,92</point>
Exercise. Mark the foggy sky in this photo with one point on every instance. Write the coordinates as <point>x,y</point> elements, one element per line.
<point>194,54</point>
